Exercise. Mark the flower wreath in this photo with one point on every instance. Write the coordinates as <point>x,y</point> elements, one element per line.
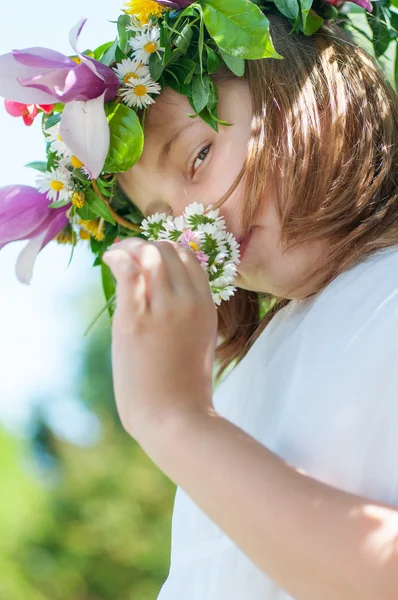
<point>93,106</point>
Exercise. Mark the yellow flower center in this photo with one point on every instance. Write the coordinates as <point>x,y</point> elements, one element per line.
<point>65,236</point>
<point>78,199</point>
<point>76,163</point>
<point>129,76</point>
<point>140,90</point>
<point>60,138</point>
<point>150,47</point>
<point>76,59</point>
<point>57,186</point>
<point>93,228</point>
<point>194,246</point>
<point>144,9</point>
<point>84,235</point>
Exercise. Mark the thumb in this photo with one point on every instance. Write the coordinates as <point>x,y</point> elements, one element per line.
<point>130,290</point>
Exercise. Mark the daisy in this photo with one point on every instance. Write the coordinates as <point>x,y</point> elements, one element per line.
<point>130,69</point>
<point>224,294</point>
<point>173,228</point>
<point>144,10</point>
<point>56,141</point>
<point>136,93</point>
<point>152,225</point>
<point>56,183</point>
<point>146,43</point>
<point>137,26</point>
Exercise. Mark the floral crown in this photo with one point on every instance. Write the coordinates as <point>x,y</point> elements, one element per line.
<point>93,106</point>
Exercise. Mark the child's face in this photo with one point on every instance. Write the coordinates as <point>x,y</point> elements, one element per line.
<point>200,165</point>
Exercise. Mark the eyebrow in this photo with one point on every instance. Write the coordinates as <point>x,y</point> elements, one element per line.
<point>166,149</point>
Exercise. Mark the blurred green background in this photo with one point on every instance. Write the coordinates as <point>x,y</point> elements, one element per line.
<point>87,520</point>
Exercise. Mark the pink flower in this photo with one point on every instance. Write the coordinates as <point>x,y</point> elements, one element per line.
<point>24,215</point>
<point>362,3</point>
<point>192,239</point>
<point>27,111</point>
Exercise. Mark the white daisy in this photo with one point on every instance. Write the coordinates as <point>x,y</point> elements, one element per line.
<point>136,93</point>
<point>234,246</point>
<point>57,184</point>
<point>152,224</point>
<point>130,69</point>
<point>171,225</point>
<point>224,294</point>
<point>56,141</point>
<point>137,26</point>
<point>146,43</point>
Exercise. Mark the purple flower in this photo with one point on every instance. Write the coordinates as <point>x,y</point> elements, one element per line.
<point>24,215</point>
<point>42,76</point>
<point>177,4</point>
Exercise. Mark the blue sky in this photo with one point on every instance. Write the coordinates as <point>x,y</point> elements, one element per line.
<point>40,337</point>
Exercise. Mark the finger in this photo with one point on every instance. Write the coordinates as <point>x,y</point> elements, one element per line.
<point>198,274</point>
<point>152,264</point>
<point>179,275</point>
<point>131,297</point>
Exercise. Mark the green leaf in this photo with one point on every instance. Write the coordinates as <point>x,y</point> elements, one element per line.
<point>109,56</point>
<point>108,284</point>
<point>52,120</point>
<point>234,64</point>
<point>239,28</point>
<point>155,66</point>
<point>213,60</point>
<point>289,8</point>
<point>213,97</point>
<point>126,138</point>
<point>59,203</point>
<point>311,21</point>
<point>381,37</point>
<point>119,55</point>
<point>86,214</point>
<point>200,92</point>
<point>184,39</point>
<point>124,34</point>
<point>39,165</point>
<point>98,207</point>
<point>100,51</point>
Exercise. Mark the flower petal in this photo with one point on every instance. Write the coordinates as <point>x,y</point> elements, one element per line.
<point>15,109</point>
<point>43,58</point>
<point>10,71</point>
<point>22,211</point>
<point>55,222</point>
<point>85,130</point>
<point>26,259</point>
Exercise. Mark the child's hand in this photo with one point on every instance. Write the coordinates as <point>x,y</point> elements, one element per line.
<point>164,334</point>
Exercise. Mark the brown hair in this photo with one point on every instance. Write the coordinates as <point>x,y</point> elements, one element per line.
<point>325,130</point>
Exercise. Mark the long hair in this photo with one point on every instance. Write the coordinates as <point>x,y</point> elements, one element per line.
<point>325,132</point>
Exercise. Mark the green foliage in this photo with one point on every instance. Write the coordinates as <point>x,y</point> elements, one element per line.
<point>239,28</point>
<point>127,138</point>
<point>83,522</point>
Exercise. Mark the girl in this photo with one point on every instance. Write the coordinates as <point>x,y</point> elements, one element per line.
<point>287,475</point>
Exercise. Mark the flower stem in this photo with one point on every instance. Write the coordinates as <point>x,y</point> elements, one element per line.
<point>118,218</point>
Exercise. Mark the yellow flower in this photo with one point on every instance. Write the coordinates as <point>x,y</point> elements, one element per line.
<point>84,235</point>
<point>144,10</point>
<point>65,236</point>
<point>76,163</point>
<point>78,199</point>
<point>94,228</point>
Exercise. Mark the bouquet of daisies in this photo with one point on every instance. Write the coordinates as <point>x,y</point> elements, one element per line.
<point>205,234</point>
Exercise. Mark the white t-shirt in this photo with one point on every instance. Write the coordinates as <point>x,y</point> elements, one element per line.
<point>319,388</point>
